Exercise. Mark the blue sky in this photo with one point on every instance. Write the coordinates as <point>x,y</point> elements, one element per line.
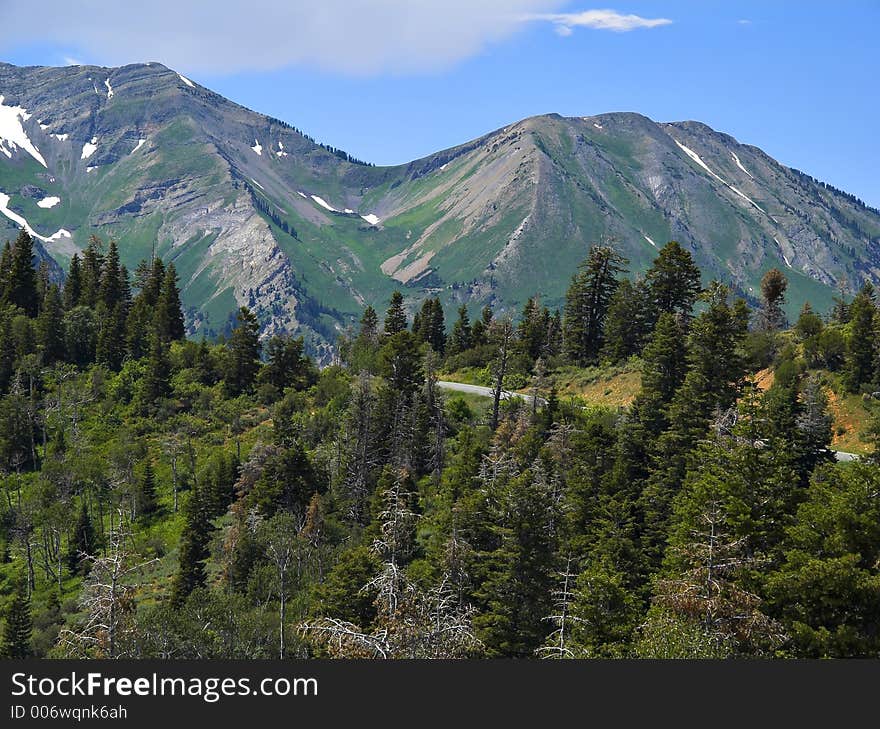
<point>390,81</point>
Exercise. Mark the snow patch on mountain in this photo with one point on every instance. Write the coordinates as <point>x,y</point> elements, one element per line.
<point>19,220</point>
<point>280,151</point>
<point>49,202</point>
<point>109,88</point>
<point>186,81</point>
<point>784,257</point>
<point>258,148</point>
<point>696,158</point>
<point>371,219</point>
<point>649,240</point>
<point>324,204</point>
<point>89,148</point>
<point>13,133</point>
<point>59,234</point>
<point>740,165</point>
<point>257,184</point>
<point>140,143</point>
<point>747,199</point>
<point>61,137</point>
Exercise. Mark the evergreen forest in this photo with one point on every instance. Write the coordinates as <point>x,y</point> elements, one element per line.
<point>165,496</point>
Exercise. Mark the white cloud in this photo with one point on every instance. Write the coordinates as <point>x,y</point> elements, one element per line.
<point>565,23</point>
<point>349,36</point>
<point>220,36</point>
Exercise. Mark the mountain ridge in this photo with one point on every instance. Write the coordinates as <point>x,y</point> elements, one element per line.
<point>253,211</point>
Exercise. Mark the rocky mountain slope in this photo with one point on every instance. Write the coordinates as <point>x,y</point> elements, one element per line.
<point>253,211</point>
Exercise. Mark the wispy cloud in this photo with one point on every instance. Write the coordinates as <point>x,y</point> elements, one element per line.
<point>744,21</point>
<point>565,23</point>
<point>354,37</point>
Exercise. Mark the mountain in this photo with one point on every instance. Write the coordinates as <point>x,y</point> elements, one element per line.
<point>253,211</point>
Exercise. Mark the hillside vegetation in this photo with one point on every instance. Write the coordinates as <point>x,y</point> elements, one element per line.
<point>163,497</point>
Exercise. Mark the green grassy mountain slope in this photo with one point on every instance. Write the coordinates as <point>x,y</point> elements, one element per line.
<point>254,212</point>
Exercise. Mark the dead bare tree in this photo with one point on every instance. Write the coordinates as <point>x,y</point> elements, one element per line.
<point>423,624</point>
<point>539,384</point>
<point>106,599</point>
<point>705,591</point>
<point>286,548</point>
<point>435,403</point>
<point>558,644</point>
<point>501,334</point>
<point>411,622</point>
<point>174,449</point>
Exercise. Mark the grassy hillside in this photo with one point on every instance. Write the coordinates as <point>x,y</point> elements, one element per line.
<point>616,386</point>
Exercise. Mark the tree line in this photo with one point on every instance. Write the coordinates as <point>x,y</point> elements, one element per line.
<point>228,499</point>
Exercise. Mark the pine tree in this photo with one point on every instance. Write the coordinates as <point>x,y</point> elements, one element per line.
<point>534,330</point>
<point>460,339</point>
<point>168,316</point>
<point>664,360</point>
<point>138,327</point>
<point>110,346</point>
<point>395,317</point>
<point>155,384</point>
<point>429,326</point>
<point>22,283</point>
<point>480,329</point>
<point>673,282</point>
<point>193,548</point>
<point>812,434</point>
<point>19,626</point>
<point>50,327</point>
<point>604,612</point>
<point>363,352</point>
<point>111,287</point>
<point>287,483</point>
<point>146,492</point>
<point>825,589</point>
<point>73,283</point>
<point>84,542</point>
<point>773,286</point>
<point>286,364</point>
<point>5,270</point>
<point>92,265</point>
<point>43,283</point>
<point>152,288</point>
<point>626,325</point>
<point>401,363</point>
<point>244,353</point>
<point>369,325</point>
<point>712,383</point>
<point>861,347</point>
<point>517,587</point>
<point>587,301</point>
<point>204,364</point>
<point>809,329</point>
